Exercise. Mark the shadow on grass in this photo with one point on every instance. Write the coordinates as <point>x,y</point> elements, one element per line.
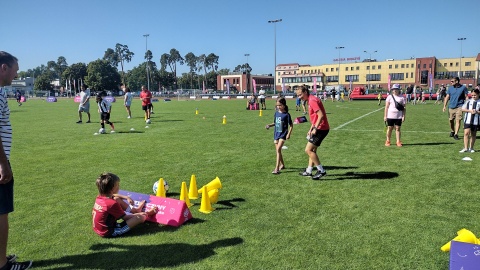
<point>382,175</point>
<point>228,204</point>
<point>429,143</point>
<point>130,131</point>
<point>326,168</point>
<point>116,256</point>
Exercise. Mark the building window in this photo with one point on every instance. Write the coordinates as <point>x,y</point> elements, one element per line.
<point>397,76</point>
<point>351,78</point>
<point>368,67</point>
<point>403,65</point>
<point>396,66</point>
<point>445,64</point>
<point>467,64</point>
<point>430,65</point>
<point>357,68</point>
<point>389,66</point>
<point>424,65</point>
<point>373,77</point>
<point>406,75</point>
<point>379,66</point>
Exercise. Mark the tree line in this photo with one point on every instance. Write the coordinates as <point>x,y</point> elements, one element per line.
<point>107,73</point>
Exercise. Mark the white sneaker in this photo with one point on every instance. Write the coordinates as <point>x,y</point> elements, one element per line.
<point>128,117</point>
<point>464,150</point>
<point>472,151</point>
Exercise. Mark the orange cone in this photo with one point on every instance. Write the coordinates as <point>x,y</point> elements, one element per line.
<point>205,206</point>
<point>161,192</point>
<point>193,192</point>
<point>184,195</point>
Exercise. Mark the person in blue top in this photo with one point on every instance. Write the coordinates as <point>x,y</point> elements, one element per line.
<point>456,94</point>
<point>283,124</point>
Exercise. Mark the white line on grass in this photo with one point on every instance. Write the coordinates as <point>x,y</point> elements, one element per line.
<point>349,122</point>
<point>403,131</point>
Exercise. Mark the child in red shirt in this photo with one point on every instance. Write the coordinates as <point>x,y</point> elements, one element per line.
<point>106,210</point>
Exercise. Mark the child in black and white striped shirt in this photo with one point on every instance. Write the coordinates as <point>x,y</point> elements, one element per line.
<point>471,121</point>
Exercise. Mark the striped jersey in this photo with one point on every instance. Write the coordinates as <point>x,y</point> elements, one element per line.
<point>469,118</point>
<point>5,126</point>
<point>104,106</point>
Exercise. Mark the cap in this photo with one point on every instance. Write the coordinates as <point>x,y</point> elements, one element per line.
<point>395,86</point>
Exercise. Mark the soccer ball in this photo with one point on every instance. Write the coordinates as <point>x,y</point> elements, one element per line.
<point>148,121</point>
<point>155,186</point>
<point>101,131</point>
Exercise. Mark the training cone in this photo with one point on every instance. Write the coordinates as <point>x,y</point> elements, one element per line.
<point>224,119</point>
<point>261,113</point>
<point>161,192</point>
<point>214,184</point>
<point>464,236</point>
<point>213,196</point>
<point>205,206</point>
<point>196,111</point>
<point>184,195</point>
<point>192,191</point>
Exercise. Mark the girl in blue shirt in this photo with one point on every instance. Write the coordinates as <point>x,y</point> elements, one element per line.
<point>283,129</point>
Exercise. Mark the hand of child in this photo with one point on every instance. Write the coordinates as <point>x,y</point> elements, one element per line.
<point>267,126</point>
<point>152,211</point>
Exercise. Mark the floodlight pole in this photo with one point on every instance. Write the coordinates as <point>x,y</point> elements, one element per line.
<point>275,53</point>
<point>148,68</point>
<point>369,66</point>
<point>461,41</point>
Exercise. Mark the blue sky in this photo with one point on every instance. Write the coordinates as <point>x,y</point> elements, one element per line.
<point>39,31</point>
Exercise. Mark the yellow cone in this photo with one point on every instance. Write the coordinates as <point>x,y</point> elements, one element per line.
<point>224,119</point>
<point>213,196</point>
<point>465,236</point>
<point>184,194</point>
<point>260,114</point>
<point>192,191</point>
<point>205,206</point>
<point>161,189</point>
<point>214,184</point>
<point>196,111</point>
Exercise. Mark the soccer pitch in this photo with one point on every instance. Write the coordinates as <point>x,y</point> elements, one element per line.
<point>377,208</point>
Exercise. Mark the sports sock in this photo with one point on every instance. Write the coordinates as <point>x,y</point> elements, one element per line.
<point>320,168</point>
<point>103,125</point>
<point>309,169</point>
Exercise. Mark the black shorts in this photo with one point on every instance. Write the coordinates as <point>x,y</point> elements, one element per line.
<point>104,116</point>
<point>262,101</point>
<point>394,122</point>
<point>318,137</point>
<point>471,127</point>
<point>6,198</point>
<point>147,107</point>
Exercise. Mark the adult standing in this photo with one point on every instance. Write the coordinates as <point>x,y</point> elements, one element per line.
<point>409,93</point>
<point>146,97</point>
<point>456,96</point>
<point>128,101</point>
<point>8,71</point>
<point>393,116</point>
<point>317,132</point>
<point>262,99</point>
<point>84,105</point>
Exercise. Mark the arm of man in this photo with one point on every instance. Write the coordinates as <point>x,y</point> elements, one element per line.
<point>320,115</point>
<point>447,98</point>
<point>6,173</point>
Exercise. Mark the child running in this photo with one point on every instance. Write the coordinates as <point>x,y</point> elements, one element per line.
<point>104,108</point>
<point>107,211</point>
<point>283,129</point>
<point>471,122</point>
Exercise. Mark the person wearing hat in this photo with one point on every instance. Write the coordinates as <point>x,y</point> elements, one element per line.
<point>394,114</point>
<point>456,96</point>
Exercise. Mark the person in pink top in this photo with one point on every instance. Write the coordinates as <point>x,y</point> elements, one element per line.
<point>317,132</point>
<point>146,97</point>
<point>393,116</point>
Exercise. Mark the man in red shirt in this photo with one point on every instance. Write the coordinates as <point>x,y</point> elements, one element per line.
<point>146,97</point>
<point>317,132</point>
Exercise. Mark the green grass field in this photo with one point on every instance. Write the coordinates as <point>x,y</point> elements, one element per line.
<point>378,207</point>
